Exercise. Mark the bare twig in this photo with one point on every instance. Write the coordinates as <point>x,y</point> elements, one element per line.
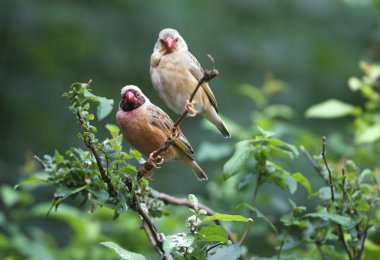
<point>168,199</point>
<point>207,76</point>
<point>313,163</point>
<point>40,161</point>
<point>152,234</point>
<point>327,167</point>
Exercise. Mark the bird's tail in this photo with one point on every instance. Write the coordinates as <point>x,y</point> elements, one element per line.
<point>212,116</point>
<point>201,175</point>
<point>223,129</point>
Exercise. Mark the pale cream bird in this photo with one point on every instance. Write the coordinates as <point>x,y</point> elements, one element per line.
<point>175,73</point>
<point>147,127</point>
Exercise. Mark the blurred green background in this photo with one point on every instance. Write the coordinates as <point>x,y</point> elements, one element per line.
<point>313,46</point>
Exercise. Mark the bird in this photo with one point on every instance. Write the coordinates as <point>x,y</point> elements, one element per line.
<point>175,73</point>
<point>147,127</point>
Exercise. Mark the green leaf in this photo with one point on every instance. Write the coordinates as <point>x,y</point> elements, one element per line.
<point>239,158</point>
<point>369,135</point>
<point>226,252</point>
<point>226,217</point>
<point>303,181</point>
<point>33,180</point>
<point>290,183</point>
<point>331,108</point>
<point>66,192</point>
<point>123,254</point>
<point>104,107</point>
<point>259,214</point>
<point>212,233</point>
<point>58,157</point>
<point>341,220</point>
<point>113,129</point>
<point>9,196</point>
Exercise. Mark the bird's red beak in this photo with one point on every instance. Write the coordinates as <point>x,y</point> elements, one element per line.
<point>130,97</point>
<point>169,42</point>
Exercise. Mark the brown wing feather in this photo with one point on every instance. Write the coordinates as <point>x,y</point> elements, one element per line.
<point>197,71</point>
<point>161,120</point>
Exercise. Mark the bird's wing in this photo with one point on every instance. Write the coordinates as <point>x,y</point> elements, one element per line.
<point>197,71</point>
<point>159,119</point>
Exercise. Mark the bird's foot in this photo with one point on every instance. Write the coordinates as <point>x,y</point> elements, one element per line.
<point>189,106</point>
<point>174,131</point>
<point>155,161</point>
<point>144,172</point>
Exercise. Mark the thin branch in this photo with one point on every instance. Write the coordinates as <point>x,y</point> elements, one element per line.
<point>363,239</point>
<point>136,205</point>
<point>321,252</point>
<point>245,235</point>
<point>343,241</point>
<point>89,143</point>
<point>313,163</point>
<point>151,240</point>
<point>207,76</point>
<point>40,161</point>
<point>327,167</point>
<point>168,199</point>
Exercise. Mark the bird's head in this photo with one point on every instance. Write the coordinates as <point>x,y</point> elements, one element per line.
<point>170,40</point>
<point>132,98</point>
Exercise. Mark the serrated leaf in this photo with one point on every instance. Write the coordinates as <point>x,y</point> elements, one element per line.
<point>123,254</point>
<point>212,233</point>
<point>341,220</point>
<point>226,217</point>
<point>225,252</point>
<point>331,108</point>
<point>259,214</point>
<point>239,158</point>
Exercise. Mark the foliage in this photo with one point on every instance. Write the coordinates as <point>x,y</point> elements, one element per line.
<point>339,218</point>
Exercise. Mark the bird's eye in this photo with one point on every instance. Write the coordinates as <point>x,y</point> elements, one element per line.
<point>176,39</point>
<point>137,94</point>
<point>161,40</point>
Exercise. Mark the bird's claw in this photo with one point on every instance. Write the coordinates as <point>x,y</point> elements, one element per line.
<point>174,131</point>
<point>189,106</point>
<point>155,161</point>
<point>148,174</point>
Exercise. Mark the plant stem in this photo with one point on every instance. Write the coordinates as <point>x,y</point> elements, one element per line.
<point>257,185</point>
<point>327,167</point>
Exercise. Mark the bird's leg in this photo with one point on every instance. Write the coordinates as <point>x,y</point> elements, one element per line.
<point>189,106</point>
<point>148,174</point>
<point>174,131</point>
<point>154,161</point>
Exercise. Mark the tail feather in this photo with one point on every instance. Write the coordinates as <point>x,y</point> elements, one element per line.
<point>201,175</point>
<point>212,116</point>
<point>223,129</point>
